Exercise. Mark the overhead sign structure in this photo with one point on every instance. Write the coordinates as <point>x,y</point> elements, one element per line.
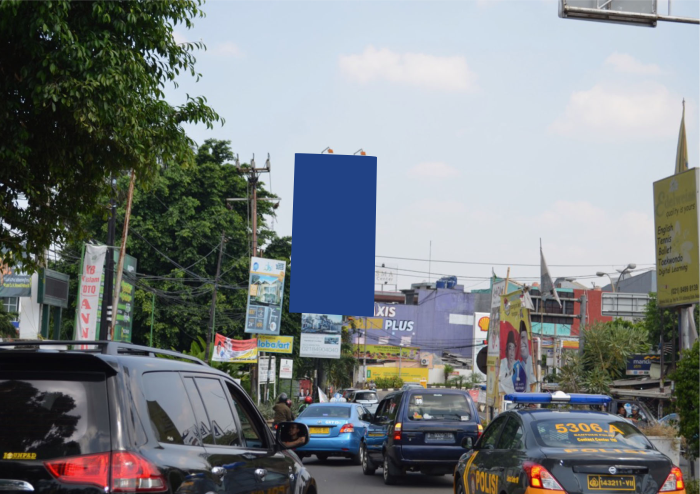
<point>237,351</point>
<point>676,231</point>
<point>89,292</point>
<point>286,368</point>
<point>265,294</point>
<point>275,344</point>
<point>321,335</point>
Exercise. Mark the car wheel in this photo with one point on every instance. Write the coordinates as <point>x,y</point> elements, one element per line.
<point>323,457</point>
<point>389,472</point>
<point>368,467</point>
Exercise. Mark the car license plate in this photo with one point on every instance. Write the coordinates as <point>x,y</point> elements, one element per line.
<point>319,430</point>
<point>611,483</point>
<point>439,437</point>
<point>375,434</point>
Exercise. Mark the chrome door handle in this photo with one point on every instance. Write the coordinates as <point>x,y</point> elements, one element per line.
<point>218,472</point>
<point>260,474</point>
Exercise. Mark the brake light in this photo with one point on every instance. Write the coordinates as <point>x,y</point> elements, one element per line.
<point>540,478</point>
<point>130,472</point>
<point>347,428</point>
<point>397,431</point>
<point>479,430</point>
<point>88,469</point>
<point>674,481</point>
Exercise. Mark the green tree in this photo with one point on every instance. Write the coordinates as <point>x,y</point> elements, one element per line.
<point>686,378</point>
<point>82,100</point>
<point>7,329</point>
<point>447,370</point>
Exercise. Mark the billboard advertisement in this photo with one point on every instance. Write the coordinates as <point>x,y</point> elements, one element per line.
<point>640,365</point>
<point>286,368</point>
<point>516,367</point>
<point>676,232</point>
<point>265,294</point>
<point>239,351</point>
<point>13,283</point>
<point>125,304</point>
<point>321,335</point>
<point>386,352</point>
<point>275,344</point>
<point>492,360</point>
<point>481,334</point>
<point>407,374</point>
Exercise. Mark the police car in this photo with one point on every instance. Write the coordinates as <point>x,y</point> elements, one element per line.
<point>530,450</point>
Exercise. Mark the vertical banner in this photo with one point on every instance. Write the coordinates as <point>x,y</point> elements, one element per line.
<point>89,292</point>
<point>125,305</point>
<point>334,194</point>
<point>239,351</point>
<point>286,368</point>
<point>494,348</point>
<point>516,371</point>
<point>676,232</point>
<point>265,294</point>
<point>320,335</point>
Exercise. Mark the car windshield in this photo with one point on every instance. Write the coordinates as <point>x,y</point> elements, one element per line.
<point>451,407</point>
<point>599,432</point>
<point>366,395</point>
<point>326,411</point>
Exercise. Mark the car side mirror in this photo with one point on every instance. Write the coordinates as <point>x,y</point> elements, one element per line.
<point>467,442</point>
<point>290,435</point>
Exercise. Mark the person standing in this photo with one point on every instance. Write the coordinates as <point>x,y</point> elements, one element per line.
<point>505,373</point>
<point>282,411</point>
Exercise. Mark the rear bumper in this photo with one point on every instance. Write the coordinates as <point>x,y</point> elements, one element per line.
<point>346,444</point>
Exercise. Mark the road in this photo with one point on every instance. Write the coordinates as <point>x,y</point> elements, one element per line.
<point>340,476</point>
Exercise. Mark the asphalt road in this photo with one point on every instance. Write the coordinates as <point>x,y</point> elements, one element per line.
<point>340,476</point>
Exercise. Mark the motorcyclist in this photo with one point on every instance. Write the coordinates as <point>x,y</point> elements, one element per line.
<point>307,401</point>
<point>282,411</point>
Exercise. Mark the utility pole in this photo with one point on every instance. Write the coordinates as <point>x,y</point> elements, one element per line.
<point>212,309</point>
<point>122,255</point>
<point>107,312</point>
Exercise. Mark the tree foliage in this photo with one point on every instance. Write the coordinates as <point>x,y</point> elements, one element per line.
<point>7,329</point>
<point>686,378</point>
<point>82,99</point>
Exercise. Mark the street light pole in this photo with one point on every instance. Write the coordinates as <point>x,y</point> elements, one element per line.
<point>616,286</point>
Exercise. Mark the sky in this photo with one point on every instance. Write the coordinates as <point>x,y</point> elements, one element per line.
<point>495,123</point>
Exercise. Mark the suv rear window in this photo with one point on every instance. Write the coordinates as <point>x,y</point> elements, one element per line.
<point>589,433</point>
<point>438,406</point>
<point>54,416</point>
<point>323,411</point>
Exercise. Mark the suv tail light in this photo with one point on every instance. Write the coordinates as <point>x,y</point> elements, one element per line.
<point>130,472</point>
<point>674,481</point>
<point>397,431</point>
<point>540,478</point>
<point>479,431</point>
<point>347,428</point>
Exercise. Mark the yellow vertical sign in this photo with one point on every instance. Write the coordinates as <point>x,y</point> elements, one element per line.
<point>676,235</point>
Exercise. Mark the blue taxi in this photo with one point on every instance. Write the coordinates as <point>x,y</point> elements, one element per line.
<point>335,429</point>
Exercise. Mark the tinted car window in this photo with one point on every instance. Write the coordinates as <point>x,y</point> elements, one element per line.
<point>512,436</point>
<point>364,395</point>
<point>600,432</point>
<point>169,409</point>
<point>49,417</point>
<point>326,411</point>
<point>252,436</point>
<point>200,414</point>
<point>393,407</point>
<point>223,425</point>
<point>492,432</point>
<point>443,407</point>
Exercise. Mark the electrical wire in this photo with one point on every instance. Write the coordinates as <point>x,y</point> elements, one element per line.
<point>508,263</point>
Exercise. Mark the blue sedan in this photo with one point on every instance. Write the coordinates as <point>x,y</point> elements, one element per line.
<point>335,429</point>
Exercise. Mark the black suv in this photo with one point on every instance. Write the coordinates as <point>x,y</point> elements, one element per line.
<point>115,418</point>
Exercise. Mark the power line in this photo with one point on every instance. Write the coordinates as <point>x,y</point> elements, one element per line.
<point>509,263</point>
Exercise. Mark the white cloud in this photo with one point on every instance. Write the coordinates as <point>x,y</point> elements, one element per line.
<point>622,62</point>
<point>227,50</point>
<point>417,69</point>
<point>613,112</point>
<point>433,170</point>
<point>179,37</point>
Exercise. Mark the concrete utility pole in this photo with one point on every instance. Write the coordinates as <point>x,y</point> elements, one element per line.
<point>105,319</point>
<point>212,309</point>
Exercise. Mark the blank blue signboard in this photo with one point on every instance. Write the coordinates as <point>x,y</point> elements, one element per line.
<point>333,234</point>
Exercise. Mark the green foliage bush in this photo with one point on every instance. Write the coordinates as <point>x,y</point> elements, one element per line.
<point>388,382</point>
<point>686,377</point>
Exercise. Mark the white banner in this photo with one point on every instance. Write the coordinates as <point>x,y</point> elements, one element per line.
<point>266,370</point>
<point>89,292</point>
<point>319,346</point>
<point>286,367</point>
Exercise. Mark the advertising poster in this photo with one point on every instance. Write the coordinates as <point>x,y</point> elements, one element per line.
<point>286,368</point>
<point>89,292</point>
<point>266,370</point>
<point>238,351</point>
<point>321,335</point>
<point>409,375</point>
<point>516,366</point>
<point>13,283</point>
<point>676,232</point>
<point>125,304</point>
<point>482,321</point>
<point>275,344</point>
<point>492,361</point>
<point>265,293</point>
<point>640,365</point>
<point>386,352</point>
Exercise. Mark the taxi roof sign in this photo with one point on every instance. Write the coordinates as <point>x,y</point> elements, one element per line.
<point>558,397</point>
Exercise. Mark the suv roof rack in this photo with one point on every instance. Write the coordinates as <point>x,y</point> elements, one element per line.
<point>102,347</point>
